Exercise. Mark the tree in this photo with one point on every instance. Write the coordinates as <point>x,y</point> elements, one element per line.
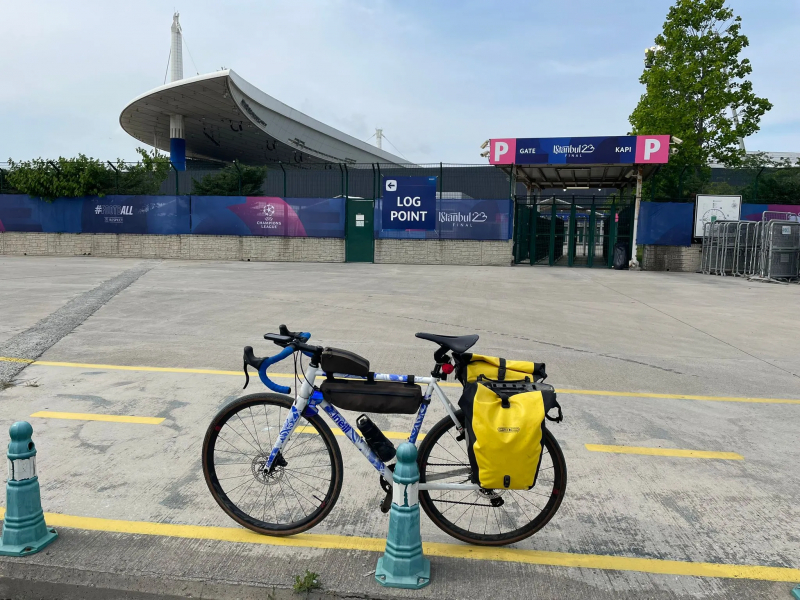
<point>48,179</point>
<point>144,177</point>
<point>227,182</point>
<point>86,176</point>
<point>694,78</point>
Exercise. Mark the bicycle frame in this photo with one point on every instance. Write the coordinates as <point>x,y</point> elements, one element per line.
<point>309,401</point>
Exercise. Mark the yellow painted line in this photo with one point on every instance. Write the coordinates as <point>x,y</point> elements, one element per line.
<point>47,363</point>
<point>50,363</point>
<point>681,396</point>
<point>663,452</point>
<point>511,555</point>
<point>392,435</point>
<point>51,414</point>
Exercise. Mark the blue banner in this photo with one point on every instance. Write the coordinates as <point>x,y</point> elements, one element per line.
<point>462,219</point>
<point>466,219</point>
<point>268,216</point>
<point>166,215</point>
<point>665,223</point>
<point>409,203</point>
<point>161,215</point>
<point>175,215</point>
<point>576,150</point>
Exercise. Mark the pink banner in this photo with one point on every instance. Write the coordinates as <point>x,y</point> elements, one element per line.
<point>269,216</point>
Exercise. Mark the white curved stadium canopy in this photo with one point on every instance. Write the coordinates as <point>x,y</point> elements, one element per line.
<point>226,119</point>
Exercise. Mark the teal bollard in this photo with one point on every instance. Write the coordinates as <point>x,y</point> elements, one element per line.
<point>403,565</point>
<point>796,592</point>
<point>24,529</point>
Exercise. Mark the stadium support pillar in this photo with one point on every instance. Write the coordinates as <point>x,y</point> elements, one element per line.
<point>177,143</point>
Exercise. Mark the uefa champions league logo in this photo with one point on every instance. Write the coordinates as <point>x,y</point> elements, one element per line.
<point>266,214</point>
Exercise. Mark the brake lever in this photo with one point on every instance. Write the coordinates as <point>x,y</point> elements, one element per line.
<point>246,376</point>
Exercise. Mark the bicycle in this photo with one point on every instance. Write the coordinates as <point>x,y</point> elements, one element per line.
<point>273,465</point>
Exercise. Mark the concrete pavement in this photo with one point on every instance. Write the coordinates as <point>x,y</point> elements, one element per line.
<point>596,330</point>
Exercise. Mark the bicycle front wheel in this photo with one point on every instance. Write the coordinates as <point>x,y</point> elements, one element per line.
<point>486,517</point>
<point>306,478</point>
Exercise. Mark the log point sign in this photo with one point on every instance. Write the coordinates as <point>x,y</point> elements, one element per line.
<point>409,202</point>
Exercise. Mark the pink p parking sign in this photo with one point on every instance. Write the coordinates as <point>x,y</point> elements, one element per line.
<point>652,149</point>
<point>503,151</point>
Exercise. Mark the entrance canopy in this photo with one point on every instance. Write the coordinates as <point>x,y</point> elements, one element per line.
<point>579,163</point>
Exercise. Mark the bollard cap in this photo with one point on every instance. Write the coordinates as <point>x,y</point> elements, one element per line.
<point>406,470</point>
<point>21,445</point>
<point>407,453</point>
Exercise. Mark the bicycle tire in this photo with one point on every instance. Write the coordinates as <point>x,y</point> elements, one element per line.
<point>230,507</point>
<point>430,507</point>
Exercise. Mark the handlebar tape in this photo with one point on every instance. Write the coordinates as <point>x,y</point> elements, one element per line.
<point>262,371</point>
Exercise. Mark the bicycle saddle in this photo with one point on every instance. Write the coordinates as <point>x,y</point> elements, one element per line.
<point>456,343</point>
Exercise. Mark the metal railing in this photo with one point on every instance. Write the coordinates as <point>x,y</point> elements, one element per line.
<point>768,249</point>
<point>305,181</point>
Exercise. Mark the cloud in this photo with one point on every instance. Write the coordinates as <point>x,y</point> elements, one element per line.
<point>439,78</point>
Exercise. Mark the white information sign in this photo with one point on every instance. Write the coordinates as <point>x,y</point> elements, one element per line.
<point>715,208</point>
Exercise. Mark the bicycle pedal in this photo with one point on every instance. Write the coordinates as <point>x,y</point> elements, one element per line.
<point>386,505</point>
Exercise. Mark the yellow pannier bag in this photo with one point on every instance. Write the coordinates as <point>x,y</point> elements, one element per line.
<point>504,423</point>
<point>471,366</point>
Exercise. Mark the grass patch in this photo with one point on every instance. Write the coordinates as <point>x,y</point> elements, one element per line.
<point>306,583</point>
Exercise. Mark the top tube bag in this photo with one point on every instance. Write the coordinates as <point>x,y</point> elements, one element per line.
<point>471,366</point>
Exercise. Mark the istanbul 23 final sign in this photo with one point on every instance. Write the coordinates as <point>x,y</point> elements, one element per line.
<point>615,150</point>
<point>409,202</point>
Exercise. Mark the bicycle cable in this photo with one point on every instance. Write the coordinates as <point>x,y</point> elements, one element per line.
<point>296,378</point>
<point>303,371</point>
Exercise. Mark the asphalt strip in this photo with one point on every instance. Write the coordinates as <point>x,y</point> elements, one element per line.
<point>33,342</point>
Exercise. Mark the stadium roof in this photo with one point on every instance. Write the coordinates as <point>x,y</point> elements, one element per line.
<point>226,119</point>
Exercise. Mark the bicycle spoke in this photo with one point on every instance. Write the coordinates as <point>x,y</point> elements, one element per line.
<point>497,520</point>
<point>304,482</point>
<point>234,446</point>
<point>234,476</point>
<point>291,487</point>
<point>241,436</point>
<point>255,427</point>
<point>247,429</point>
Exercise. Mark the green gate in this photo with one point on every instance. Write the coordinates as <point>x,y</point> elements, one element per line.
<point>359,235</point>
<point>570,231</point>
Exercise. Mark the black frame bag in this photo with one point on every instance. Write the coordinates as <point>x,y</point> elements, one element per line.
<point>387,397</point>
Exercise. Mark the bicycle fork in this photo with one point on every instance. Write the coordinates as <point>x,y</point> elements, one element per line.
<point>290,424</point>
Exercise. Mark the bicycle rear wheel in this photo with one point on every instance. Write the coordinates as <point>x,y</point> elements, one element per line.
<point>486,517</point>
<point>306,478</point>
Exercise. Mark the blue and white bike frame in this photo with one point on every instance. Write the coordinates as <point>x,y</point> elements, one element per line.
<point>308,402</point>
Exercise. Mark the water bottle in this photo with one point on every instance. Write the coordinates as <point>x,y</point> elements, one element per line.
<point>375,439</point>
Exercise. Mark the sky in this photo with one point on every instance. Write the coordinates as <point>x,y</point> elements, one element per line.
<point>439,77</point>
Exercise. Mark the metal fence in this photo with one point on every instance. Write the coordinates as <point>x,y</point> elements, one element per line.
<point>773,185</point>
<point>767,185</point>
<point>321,180</point>
<point>768,249</point>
